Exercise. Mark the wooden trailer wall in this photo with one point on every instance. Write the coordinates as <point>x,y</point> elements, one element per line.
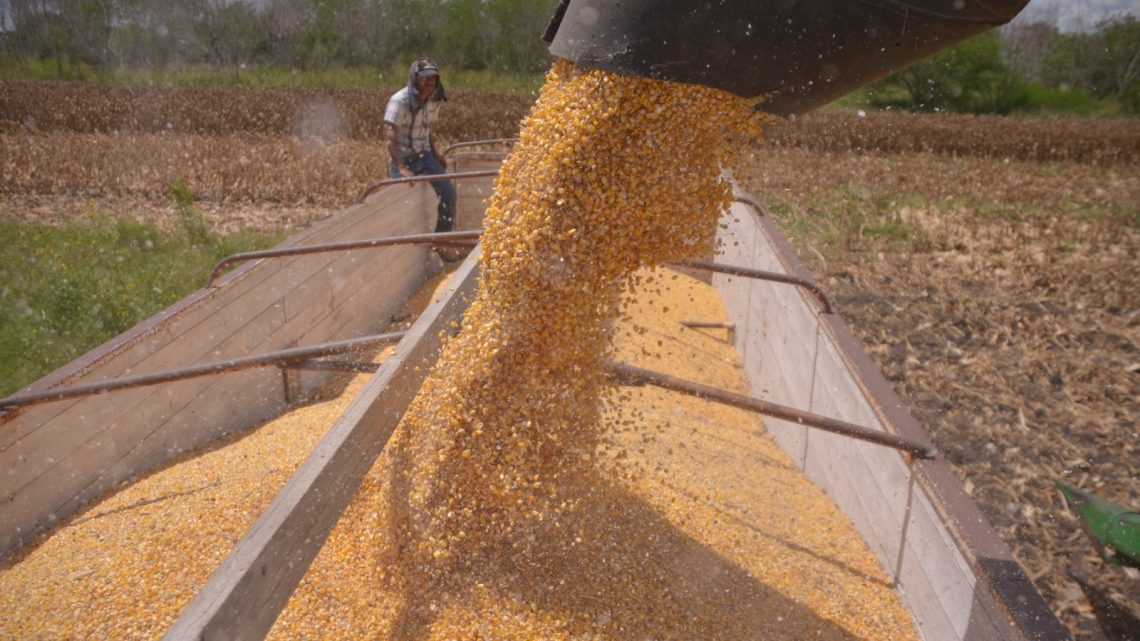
<point>959,580</point>
<point>472,193</point>
<point>56,456</point>
<point>247,592</point>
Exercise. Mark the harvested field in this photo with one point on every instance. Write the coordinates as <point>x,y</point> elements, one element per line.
<point>989,264</point>
<point>329,114</point>
<point>1102,141</point>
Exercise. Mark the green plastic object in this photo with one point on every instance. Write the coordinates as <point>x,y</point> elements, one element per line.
<point>1114,529</point>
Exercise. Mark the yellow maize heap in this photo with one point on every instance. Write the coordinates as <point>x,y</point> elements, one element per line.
<point>611,173</point>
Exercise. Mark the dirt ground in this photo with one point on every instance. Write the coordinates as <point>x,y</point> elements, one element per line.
<point>991,267</point>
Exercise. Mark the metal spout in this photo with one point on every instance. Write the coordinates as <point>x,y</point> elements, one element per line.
<point>792,56</point>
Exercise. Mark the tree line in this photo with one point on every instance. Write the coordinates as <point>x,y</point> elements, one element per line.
<point>1022,67</point>
<point>497,35</point>
<point>1026,67</point>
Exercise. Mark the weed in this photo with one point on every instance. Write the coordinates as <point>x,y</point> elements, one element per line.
<point>193,223</point>
<point>886,230</point>
<point>995,212</point>
<point>68,289</point>
<point>1131,217</point>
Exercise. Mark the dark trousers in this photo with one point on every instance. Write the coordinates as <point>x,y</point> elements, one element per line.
<point>426,164</point>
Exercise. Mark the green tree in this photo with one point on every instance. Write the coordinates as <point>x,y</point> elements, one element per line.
<point>1025,46</point>
<point>230,31</point>
<point>971,76</point>
<point>467,33</point>
<point>519,45</point>
<point>1104,62</point>
<point>1116,61</point>
<point>413,28</point>
<point>285,21</point>
<point>68,31</point>
<point>1069,62</point>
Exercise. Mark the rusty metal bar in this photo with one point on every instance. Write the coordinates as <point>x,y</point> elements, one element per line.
<point>425,178</point>
<point>285,356</point>
<point>752,202</point>
<point>479,143</point>
<point>329,365</point>
<point>762,275</point>
<point>631,375</point>
<point>731,327</point>
<point>708,324</point>
<point>449,238</point>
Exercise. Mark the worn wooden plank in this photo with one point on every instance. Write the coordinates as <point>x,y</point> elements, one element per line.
<point>473,192</point>
<point>786,333</point>
<point>52,454</point>
<point>67,463</point>
<point>244,596</point>
<point>152,353</point>
<point>932,563</point>
<point>897,506</point>
<point>871,484</point>
<point>220,402</point>
<point>132,411</point>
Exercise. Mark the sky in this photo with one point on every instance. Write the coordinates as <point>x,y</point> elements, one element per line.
<point>1076,15</point>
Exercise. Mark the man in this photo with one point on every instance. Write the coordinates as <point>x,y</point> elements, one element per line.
<point>407,121</point>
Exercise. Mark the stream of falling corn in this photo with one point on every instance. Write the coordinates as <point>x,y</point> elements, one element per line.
<point>610,173</point>
<point>521,498</point>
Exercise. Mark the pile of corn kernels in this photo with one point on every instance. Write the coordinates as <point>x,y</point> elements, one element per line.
<point>699,527</point>
<point>125,567</point>
<point>522,497</point>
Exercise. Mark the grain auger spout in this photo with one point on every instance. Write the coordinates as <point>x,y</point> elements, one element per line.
<point>792,56</point>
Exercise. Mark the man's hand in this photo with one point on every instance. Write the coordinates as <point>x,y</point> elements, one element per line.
<point>405,172</point>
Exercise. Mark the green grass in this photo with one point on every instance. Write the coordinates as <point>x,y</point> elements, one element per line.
<point>1035,101</point>
<point>853,215</point>
<point>265,77</point>
<point>1119,211</point>
<point>888,230</point>
<point>994,212</point>
<point>65,290</point>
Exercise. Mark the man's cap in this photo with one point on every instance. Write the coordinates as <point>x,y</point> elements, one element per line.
<point>426,68</point>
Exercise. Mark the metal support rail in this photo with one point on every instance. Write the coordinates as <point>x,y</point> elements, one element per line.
<point>708,324</point>
<point>297,357</point>
<point>762,275</point>
<point>479,143</point>
<point>630,375</point>
<point>731,327</point>
<point>752,202</point>
<point>425,178</point>
<point>449,238</point>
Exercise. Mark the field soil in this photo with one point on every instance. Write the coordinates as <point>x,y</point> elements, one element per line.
<point>990,265</point>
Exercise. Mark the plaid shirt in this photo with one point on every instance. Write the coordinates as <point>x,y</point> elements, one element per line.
<point>413,130</point>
